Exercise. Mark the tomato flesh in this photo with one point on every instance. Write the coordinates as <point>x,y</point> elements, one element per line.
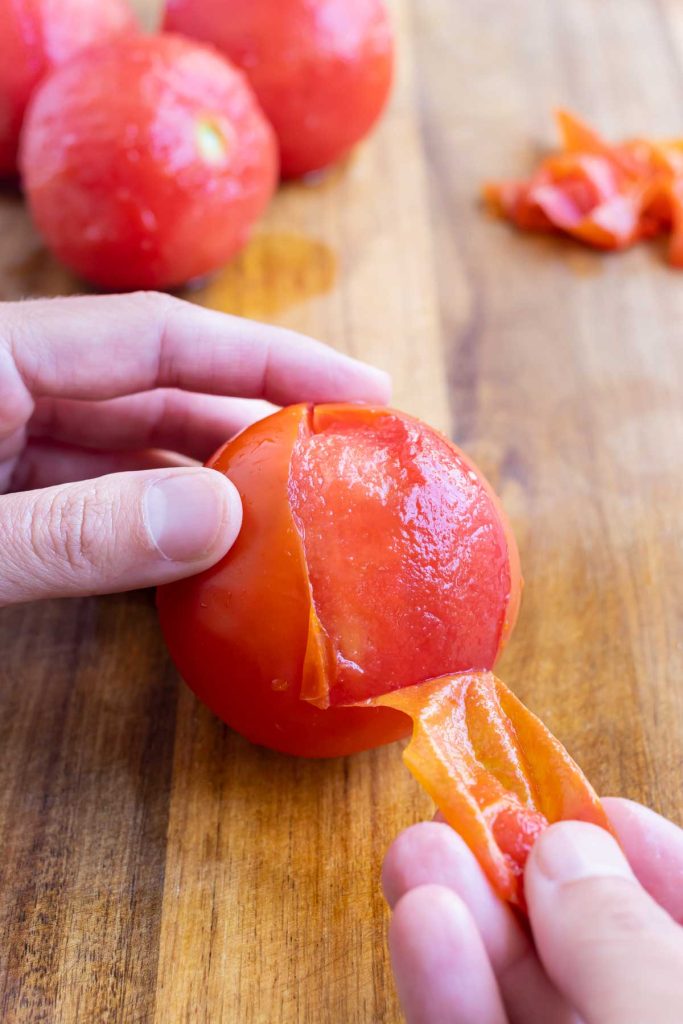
<point>407,560</point>
<point>336,589</point>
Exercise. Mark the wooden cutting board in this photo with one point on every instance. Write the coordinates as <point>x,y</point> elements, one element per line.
<point>154,866</point>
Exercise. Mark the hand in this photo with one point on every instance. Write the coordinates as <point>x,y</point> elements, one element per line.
<point>607,939</point>
<point>115,385</point>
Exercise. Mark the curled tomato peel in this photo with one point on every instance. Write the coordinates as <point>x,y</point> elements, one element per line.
<point>577,136</point>
<point>496,773</point>
<point>606,195</point>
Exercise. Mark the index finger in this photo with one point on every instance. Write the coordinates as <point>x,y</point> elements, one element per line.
<point>98,347</point>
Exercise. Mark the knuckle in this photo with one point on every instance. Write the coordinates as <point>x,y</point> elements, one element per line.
<point>75,527</point>
<point>159,308</point>
<point>155,303</point>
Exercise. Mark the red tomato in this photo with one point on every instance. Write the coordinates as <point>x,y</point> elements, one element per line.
<point>38,35</point>
<point>322,71</point>
<point>373,555</point>
<point>146,162</point>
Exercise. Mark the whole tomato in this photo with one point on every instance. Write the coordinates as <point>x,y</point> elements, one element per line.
<point>146,162</point>
<point>322,71</point>
<point>37,36</point>
<point>373,555</point>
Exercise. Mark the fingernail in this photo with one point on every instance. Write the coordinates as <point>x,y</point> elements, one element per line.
<point>191,513</point>
<point>574,849</point>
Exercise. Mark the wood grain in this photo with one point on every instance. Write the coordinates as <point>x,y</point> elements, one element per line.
<point>155,866</point>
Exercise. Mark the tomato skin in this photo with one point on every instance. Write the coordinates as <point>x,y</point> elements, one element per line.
<point>37,36</point>
<point>497,775</point>
<point>322,71</point>
<point>244,633</point>
<point>146,162</point>
<point>609,196</point>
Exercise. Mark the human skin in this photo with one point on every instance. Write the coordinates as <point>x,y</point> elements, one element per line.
<point>606,942</point>
<point>108,407</point>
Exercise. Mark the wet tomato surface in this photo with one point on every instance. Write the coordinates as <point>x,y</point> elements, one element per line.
<point>35,38</point>
<point>146,163</point>
<point>373,556</point>
<point>322,71</point>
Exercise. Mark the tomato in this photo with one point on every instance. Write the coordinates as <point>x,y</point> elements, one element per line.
<point>322,71</point>
<point>373,555</point>
<point>147,162</point>
<point>38,35</point>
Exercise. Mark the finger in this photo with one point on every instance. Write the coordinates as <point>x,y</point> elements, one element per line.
<point>11,448</point>
<point>614,953</point>
<point>115,533</point>
<point>46,463</point>
<point>95,347</point>
<point>654,849</point>
<point>433,852</point>
<point>196,425</point>
<point>442,972</point>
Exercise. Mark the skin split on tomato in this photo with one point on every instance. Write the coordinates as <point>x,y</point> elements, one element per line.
<point>37,36</point>
<point>322,71</point>
<point>373,556</point>
<point>146,163</point>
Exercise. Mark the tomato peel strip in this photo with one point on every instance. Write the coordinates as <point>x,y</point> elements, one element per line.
<point>608,196</point>
<point>496,773</point>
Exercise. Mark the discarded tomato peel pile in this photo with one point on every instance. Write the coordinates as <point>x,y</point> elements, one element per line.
<point>606,195</point>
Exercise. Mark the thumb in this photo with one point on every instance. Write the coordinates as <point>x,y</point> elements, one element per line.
<point>115,533</point>
<point>609,948</point>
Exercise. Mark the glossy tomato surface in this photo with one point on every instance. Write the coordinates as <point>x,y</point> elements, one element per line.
<point>37,36</point>
<point>147,162</point>
<point>322,71</point>
<point>373,555</point>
